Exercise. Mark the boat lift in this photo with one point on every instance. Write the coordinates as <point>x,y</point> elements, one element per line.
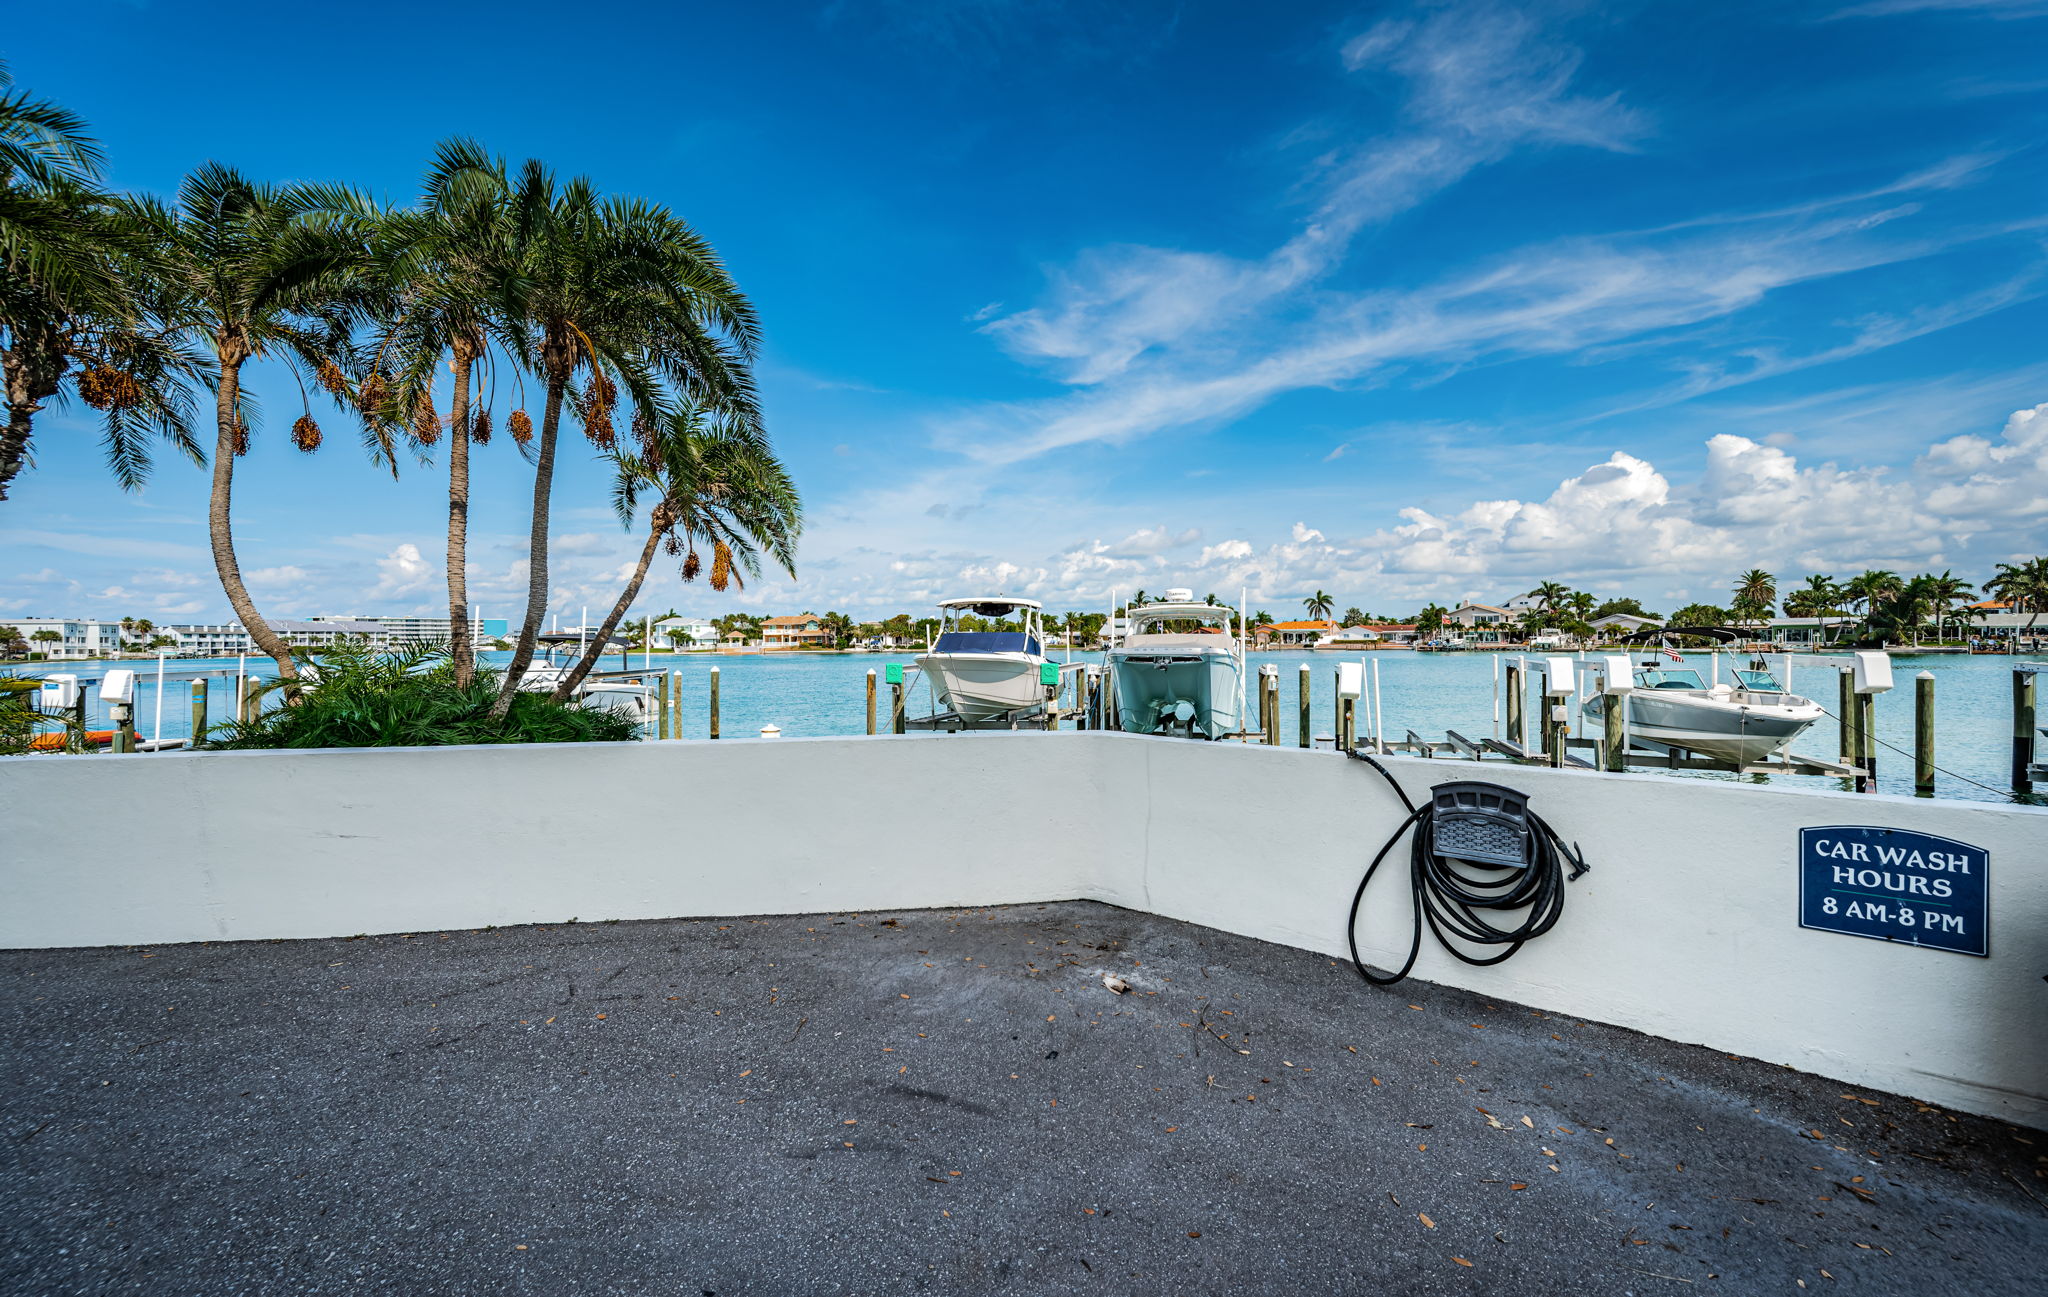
<point>1076,680</point>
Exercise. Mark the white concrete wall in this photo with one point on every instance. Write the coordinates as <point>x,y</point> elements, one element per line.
<point>1686,928</point>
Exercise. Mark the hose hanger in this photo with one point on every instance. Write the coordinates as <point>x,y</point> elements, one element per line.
<point>1476,851</point>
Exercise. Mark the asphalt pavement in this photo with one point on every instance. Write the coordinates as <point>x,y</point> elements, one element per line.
<point>932,1102</point>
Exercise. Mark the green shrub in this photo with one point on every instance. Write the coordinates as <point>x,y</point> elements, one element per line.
<point>362,699</point>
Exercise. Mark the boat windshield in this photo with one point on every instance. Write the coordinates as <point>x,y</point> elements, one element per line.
<point>987,641</point>
<point>1759,682</point>
<point>1655,678</point>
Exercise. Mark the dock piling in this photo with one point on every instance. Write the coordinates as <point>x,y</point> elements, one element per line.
<point>1516,696</point>
<point>1613,755</point>
<point>1866,741</point>
<point>2023,699</point>
<point>871,702</point>
<point>1923,734</point>
<point>1306,737</point>
<point>896,717</point>
<point>661,702</point>
<point>714,702</point>
<point>1846,714</point>
<point>198,712</point>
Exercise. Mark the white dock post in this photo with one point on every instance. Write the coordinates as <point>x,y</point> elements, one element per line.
<point>1379,720</point>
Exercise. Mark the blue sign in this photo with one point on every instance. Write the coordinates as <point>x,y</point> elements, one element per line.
<point>1894,885</point>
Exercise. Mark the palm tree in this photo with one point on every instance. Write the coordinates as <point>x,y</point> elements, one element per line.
<point>1870,591</point>
<point>455,289</point>
<point>1430,620</point>
<point>2023,585</point>
<point>77,296</point>
<point>616,292</point>
<point>1756,594</point>
<point>1817,598</point>
<point>1946,591</point>
<point>1319,606</point>
<point>258,272</point>
<point>1549,594</point>
<point>718,486</point>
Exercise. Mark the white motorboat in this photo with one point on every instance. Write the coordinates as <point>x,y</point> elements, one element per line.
<point>1748,721</point>
<point>558,655</point>
<point>1178,671</point>
<point>987,675</point>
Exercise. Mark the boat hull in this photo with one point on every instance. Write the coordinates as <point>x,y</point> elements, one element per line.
<point>1742,733</point>
<point>1151,686</point>
<point>984,686</point>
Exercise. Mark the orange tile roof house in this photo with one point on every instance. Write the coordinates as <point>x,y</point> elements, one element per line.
<point>1293,632</point>
<point>806,631</point>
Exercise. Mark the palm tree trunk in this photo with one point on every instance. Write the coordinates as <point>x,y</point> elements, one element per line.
<point>611,623</point>
<point>14,439</point>
<point>227,416</point>
<point>460,644</point>
<point>30,381</point>
<point>537,545</point>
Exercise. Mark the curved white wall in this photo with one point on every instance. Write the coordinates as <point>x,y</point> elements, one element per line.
<point>1686,928</point>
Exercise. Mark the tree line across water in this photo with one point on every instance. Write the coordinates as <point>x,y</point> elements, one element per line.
<point>528,294</point>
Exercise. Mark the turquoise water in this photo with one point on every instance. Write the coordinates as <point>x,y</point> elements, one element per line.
<point>810,695</point>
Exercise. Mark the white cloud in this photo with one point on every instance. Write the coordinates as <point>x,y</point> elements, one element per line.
<point>1147,541</point>
<point>286,575</point>
<point>402,572</point>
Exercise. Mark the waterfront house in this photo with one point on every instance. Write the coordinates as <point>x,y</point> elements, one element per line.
<point>1479,622</point>
<point>800,632</point>
<point>698,632</point>
<point>1292,634</point>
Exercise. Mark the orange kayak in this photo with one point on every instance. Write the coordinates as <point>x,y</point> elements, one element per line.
<point>55,742</point>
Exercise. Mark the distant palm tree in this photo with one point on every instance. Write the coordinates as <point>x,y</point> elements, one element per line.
<point>1430,620</point>
<point>260,271</point>
<point>1946,591</point>
<point>1137,600</point>
<point>1549,594</point>
<point>2023,585</point>
<point>1756,594</point>
<point>1870,591</point>
<point>715,485</point>
<point>1817,598</point>
<point>1319,606</point>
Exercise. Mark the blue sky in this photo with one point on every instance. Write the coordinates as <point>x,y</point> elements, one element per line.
<point>1400,301</point>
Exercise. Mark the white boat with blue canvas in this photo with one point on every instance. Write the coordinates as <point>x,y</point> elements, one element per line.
<point>1750,720</point>
<point>983,675</point>
<point>1179,671</point>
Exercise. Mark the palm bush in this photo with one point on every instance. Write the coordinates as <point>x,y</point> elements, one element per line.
<point>364,699</point>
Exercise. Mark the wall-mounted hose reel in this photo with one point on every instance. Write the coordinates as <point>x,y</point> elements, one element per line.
<point>1476,852</point>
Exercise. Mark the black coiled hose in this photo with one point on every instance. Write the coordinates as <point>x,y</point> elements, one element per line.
<point>1455,896</point>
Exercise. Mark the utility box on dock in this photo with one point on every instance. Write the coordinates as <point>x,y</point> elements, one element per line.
<point>1873,672</point>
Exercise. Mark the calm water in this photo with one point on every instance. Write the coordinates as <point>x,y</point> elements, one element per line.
<point>824,694</point>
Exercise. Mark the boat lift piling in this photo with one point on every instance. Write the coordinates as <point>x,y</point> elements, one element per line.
<point>1511,673</point>
<point>198,709</point>
<point>1923,734</point>
<point>714,702</point>
<point>871,701</point>
<point>1307,739</point>
<point>661,704</point>
<point>2024,768</point>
